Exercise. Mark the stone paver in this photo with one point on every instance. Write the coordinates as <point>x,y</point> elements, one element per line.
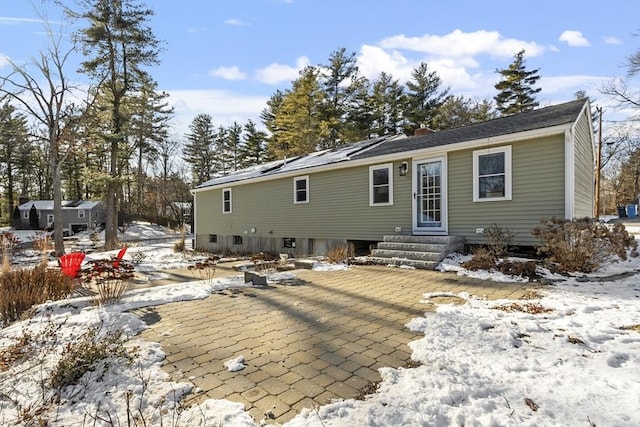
<point>319,337</point>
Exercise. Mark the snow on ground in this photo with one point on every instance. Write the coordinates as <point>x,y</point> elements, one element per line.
<point>568,356</point>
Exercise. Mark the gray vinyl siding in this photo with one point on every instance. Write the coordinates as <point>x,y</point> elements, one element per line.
<point>537,191</point>
<point>583,167</point>
<point>338,208</point>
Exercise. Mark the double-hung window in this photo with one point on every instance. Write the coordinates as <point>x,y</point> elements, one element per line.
<point>226,200</point>
<point>301,189</point>
<point>492,174</point>
<point>81,214</point>
<point>381,185</point>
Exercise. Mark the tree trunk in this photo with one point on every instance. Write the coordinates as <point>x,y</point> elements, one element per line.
<point>111,224</point>
<point>58,225</point>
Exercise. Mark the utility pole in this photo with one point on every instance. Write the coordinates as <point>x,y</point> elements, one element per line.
<point>596,213</point>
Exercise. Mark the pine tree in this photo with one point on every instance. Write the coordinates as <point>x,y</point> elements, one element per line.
<point>199,148</point>
<point>387,104</point>
<point>459,111</point>
<point>117,44</point>
<point>424,96</point>
<point>340,81</point>
<point>298,120</point>
<point>13,136</point>
<point>253,149</point>
<point>517,93</point>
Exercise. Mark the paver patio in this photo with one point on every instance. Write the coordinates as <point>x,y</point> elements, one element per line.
<point>307,341</point>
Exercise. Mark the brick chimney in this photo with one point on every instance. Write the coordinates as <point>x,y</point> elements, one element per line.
<point>423,131</point>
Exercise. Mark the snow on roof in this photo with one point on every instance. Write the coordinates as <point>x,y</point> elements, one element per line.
<point>318,158</point>
<point>44,205</point>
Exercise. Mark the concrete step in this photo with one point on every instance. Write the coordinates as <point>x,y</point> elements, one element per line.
<point>420,265</point>
<point>419,247</point>
<point>416,255</point>
<point>452,243</point>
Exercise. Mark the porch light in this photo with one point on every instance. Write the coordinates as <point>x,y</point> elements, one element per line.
<point>403,168</point>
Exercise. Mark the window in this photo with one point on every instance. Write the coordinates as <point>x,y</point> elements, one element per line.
<point>301,189</point>
<point>25,214</point>
<point>289,242</point>
<point>492,174</point>
<point>50,219</point>
<point>226,200</point>
<point>381,185</point>
<point>237,240</point>
<point>213,238</point>
<point>81,214</point>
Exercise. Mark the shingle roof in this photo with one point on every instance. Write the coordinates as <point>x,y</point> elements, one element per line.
<point>48,204</point>
<point>536,119</point>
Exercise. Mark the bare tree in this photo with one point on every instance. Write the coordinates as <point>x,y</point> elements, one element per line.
<point>46,102</point>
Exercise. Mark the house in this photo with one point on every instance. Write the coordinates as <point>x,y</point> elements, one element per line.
<point>76,215</point>
<point>410,197</point>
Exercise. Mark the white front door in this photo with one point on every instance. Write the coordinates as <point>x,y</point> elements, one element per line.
<point>430,196</point>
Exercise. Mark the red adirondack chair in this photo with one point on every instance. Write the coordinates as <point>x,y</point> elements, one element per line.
<point>118,258</point>
<point>70,264</point>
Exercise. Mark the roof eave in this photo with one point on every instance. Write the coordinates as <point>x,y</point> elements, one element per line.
<point>463,145</point>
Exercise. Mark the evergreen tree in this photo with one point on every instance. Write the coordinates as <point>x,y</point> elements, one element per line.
<point>13,139</point>
<point>233,145</point>
<point>298,120</point>
<point>34,222</point>
<point>199,149</point>
<point>340,83</point>
<point>387,104</point>
<point>516,92</point>
<point>253,149</point>
<point>424,96</point>
<point>222,158</point>
<point>117,44</point>
<point>458,111</point>
<point>149,125</point>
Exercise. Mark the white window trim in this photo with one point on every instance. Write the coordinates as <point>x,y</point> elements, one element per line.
<point>295,193</point>
<point>81,214</point>
<point>224,190</point>
<point>51,219</point>
<point>507,173</point>
<point>26,215</point>
<point>389,167</point>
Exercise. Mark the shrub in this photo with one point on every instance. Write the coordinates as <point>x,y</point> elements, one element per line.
<point>21,289</point>
<point>206,269</point>
<point>583,245</point>
<point>110,281</point>
<point>499,239</point>
<point>482,259</point>
<point>84,354</point>
<point>339,254</point>
<point>519,268</point>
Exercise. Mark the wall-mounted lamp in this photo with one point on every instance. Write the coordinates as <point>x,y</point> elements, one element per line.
<point>403,168</point>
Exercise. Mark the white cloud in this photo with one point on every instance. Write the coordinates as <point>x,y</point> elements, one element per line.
<point>12,21</point>
<point>612,40</point>
<point>278,73</point>
<point>236,22</point>
<point>459,43</point>
<point>228,73</point>
<point>196,30</point>
<point>573,38</point>
<point>224,106</point>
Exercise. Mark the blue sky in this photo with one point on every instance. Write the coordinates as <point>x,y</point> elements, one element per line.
<point>226,58</point>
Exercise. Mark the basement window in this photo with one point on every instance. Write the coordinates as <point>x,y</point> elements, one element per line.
<point>237,240</point>
<point>289,242</point>
<point>213,238</point>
